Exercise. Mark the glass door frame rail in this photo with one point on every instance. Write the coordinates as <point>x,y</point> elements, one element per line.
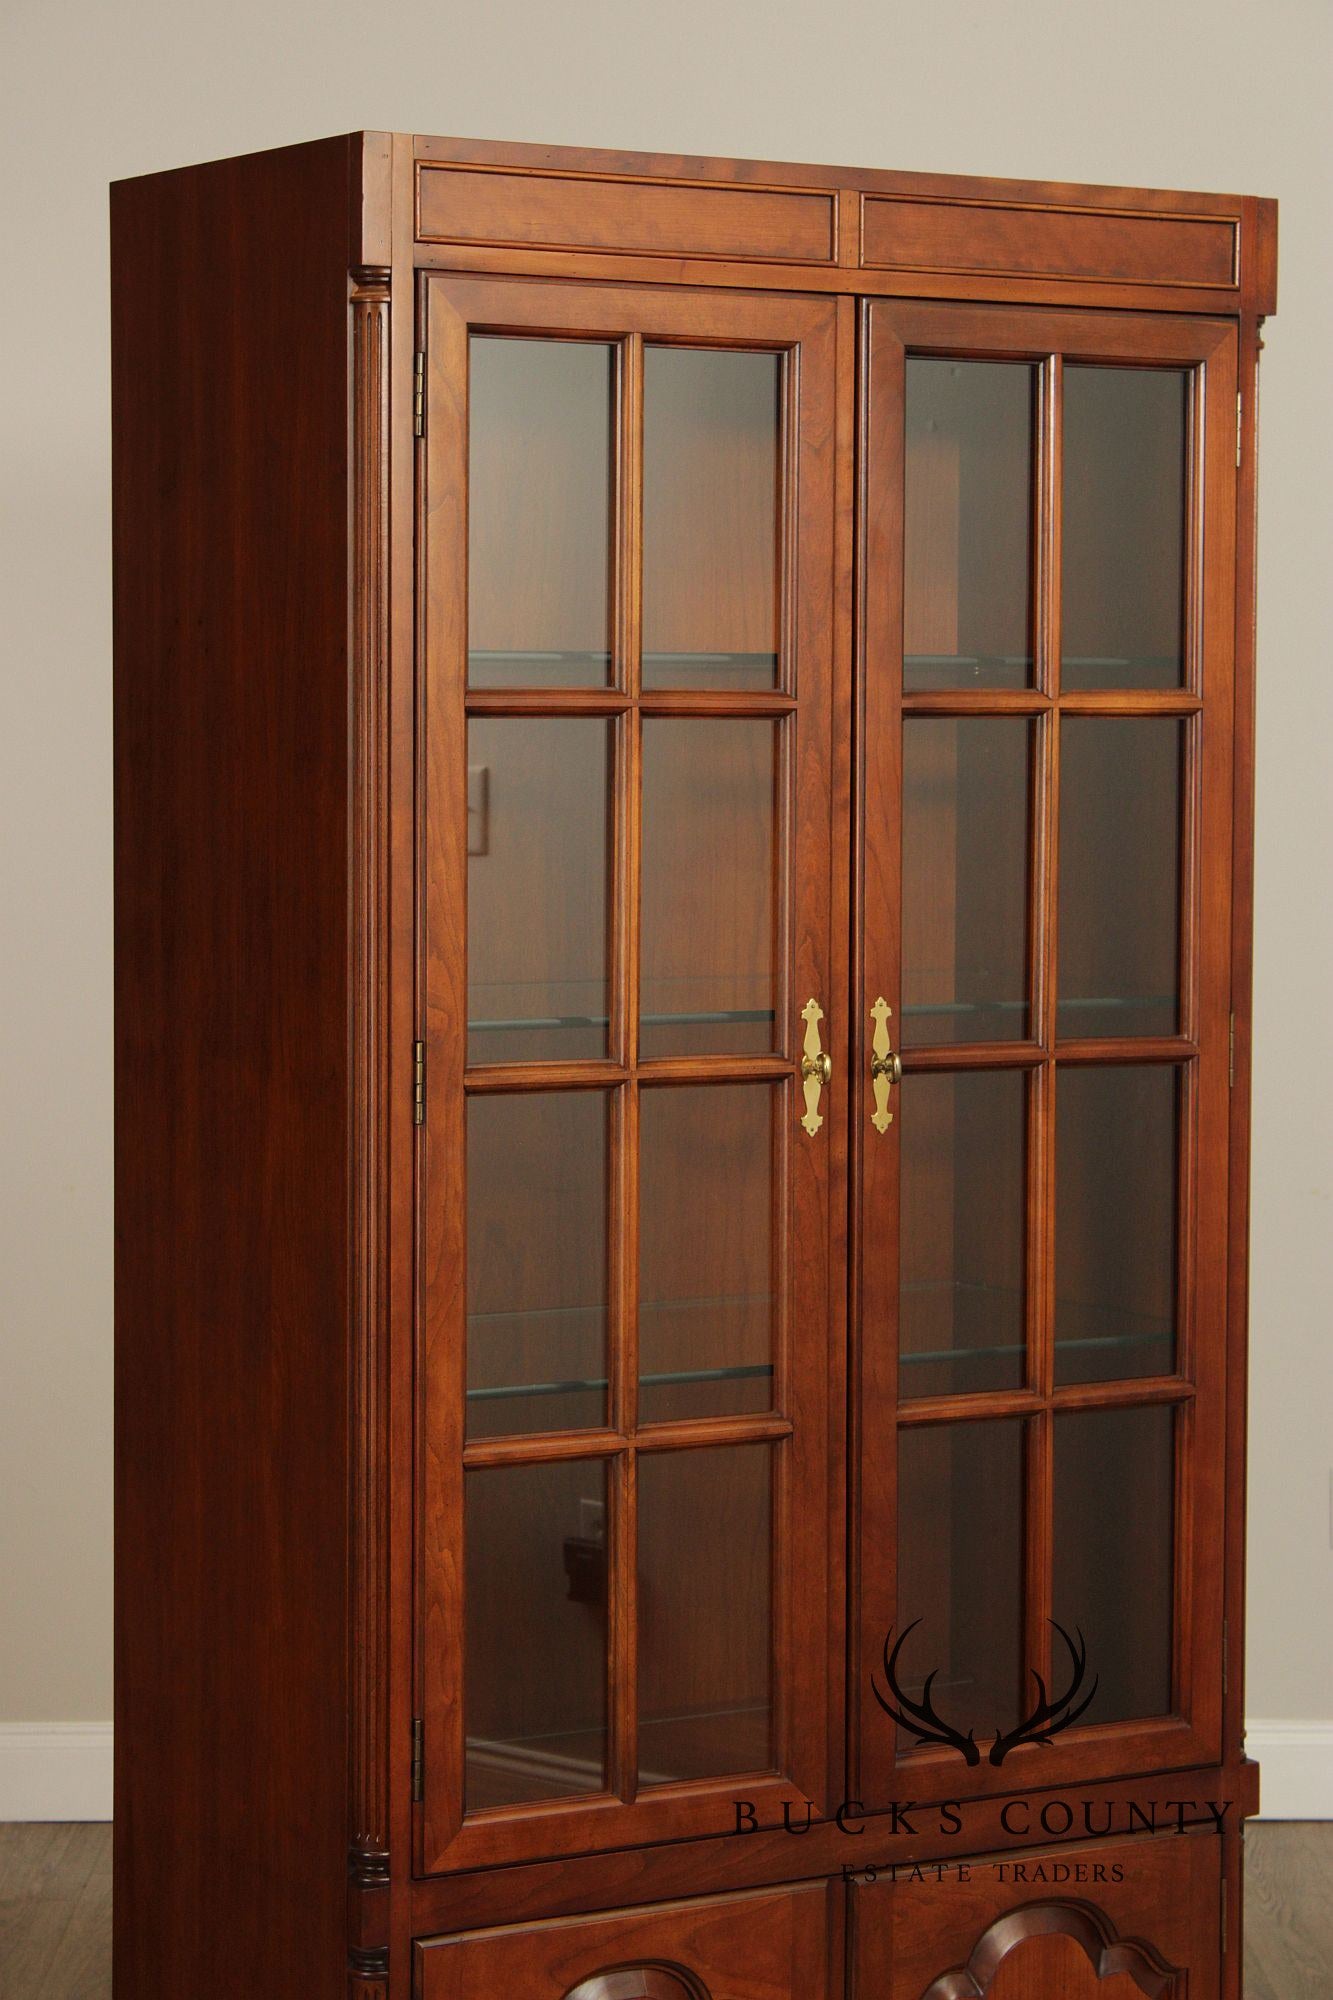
<point>881,1768</point>
<point>803,1425</point>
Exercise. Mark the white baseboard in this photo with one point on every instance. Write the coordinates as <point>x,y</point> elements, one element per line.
<point>62,1770</point>
<point>1296,1768</point>
<point>55,1770</point>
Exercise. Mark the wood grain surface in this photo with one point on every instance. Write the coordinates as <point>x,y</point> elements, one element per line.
<point>230,392</point>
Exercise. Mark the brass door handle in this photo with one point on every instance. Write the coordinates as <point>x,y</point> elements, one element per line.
<point>886,1066</point>
<point>816,1067</point>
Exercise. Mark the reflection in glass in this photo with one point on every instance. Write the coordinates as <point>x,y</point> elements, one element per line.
<point>708,980</point>
<point>961,1321</point>
<point>536,1262</point>
<point>960,1571</point>
<point>538,863</point>
<point>711,480</point>
<point>1114,1473</point>
<point>967,576</point>
<point>705,1612</point>
<point>965,880</point>
<point>1115,1226</point>
<point>1119,931</point>
<point>540,512</point>
<point>535,1678</point>
<point>1123,535</point>
<point>706,1280</point>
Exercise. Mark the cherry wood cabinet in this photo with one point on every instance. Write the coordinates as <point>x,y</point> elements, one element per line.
<point>683,801</point>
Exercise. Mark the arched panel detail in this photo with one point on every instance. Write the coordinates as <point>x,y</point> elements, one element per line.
<point>640,1982</point>
<point>1107,1954</point>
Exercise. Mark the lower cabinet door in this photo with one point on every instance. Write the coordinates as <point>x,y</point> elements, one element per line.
<point>1106,1921</point>
<point>772,1945</point>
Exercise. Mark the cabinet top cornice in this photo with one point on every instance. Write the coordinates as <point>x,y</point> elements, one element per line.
<point>928,234</point>
<point>504,206</point>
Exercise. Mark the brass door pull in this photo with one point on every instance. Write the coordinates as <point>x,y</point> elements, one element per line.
<point>886,1066</point>
<point>816,1066</point>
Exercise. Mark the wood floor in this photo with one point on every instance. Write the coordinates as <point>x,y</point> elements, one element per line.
<point>55,1912</point>
<point>1289,1910</point>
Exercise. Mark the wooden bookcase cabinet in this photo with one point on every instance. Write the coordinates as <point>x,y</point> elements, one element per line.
<point>683,804</point>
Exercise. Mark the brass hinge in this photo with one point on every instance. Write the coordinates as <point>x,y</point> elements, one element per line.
<point>1231,1053</point>
<point>1239,407</point>
<point>418,1083</point>
<point>418,395</point>
<point>418,1760</point>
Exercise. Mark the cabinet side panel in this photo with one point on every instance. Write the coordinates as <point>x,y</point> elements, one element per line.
<point>232,1075</point>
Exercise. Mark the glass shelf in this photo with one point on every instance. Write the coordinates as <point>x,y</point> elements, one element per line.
<point>562,668</point>
<point>758,1371</point>
<point>722,1303</point>
<point>728,1017</point>
<point>755,671</point>
<point>972,1291</point>
<point>1150,665</point>
<point>557,668</point>
<point>754,1371</point>
<point>1107,1003</point>
<point>764,1015</point>
<point>652,1379</point>
<point>945,668</point>
<point>647,1307</point>
<point>738,1724</point>
<point>1100,1342</point>
<point>1149,1332</point>
<point>979,1289</point>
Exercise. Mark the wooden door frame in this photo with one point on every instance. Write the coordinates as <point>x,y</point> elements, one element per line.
<point>808,1605</point>
<point>889,330</point>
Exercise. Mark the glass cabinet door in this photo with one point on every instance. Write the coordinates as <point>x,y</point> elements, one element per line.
<point>1043,1018</point>
<point>629,1172</point>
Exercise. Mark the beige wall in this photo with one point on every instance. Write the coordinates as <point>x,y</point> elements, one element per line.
<point>1199,94</point>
